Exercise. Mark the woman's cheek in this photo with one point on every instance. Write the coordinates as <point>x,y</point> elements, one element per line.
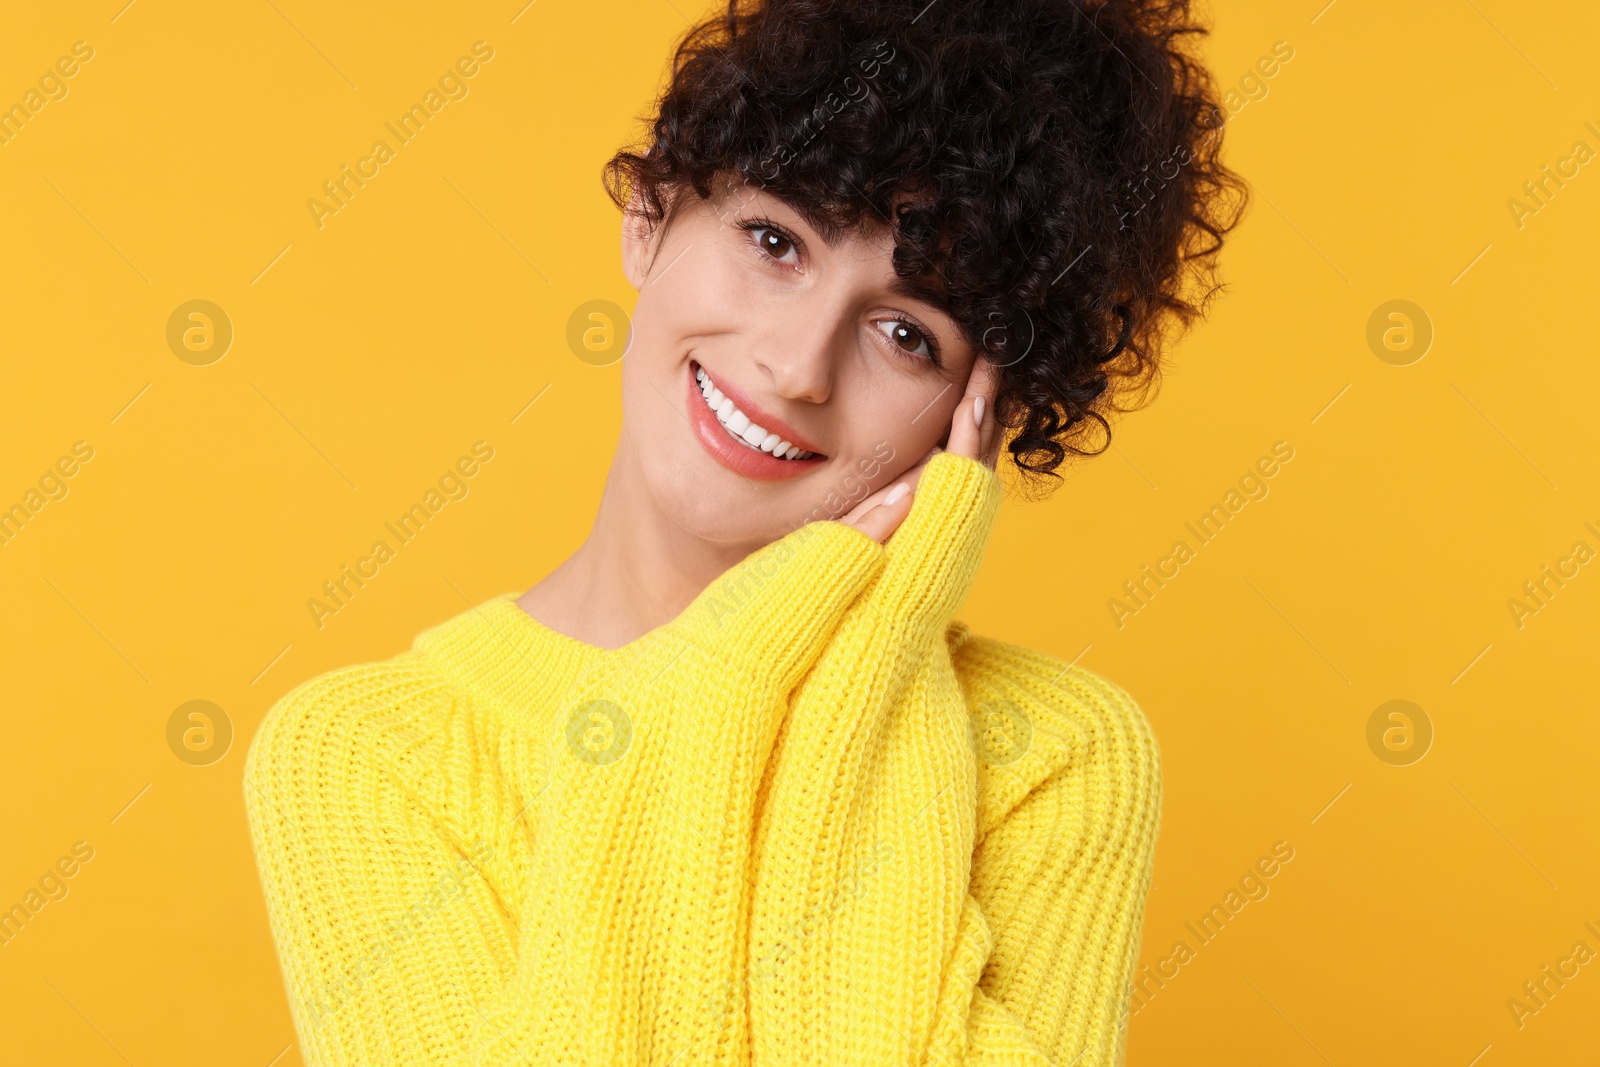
<point>719,282</point>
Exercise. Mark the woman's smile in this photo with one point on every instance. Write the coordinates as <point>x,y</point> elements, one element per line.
<point>740,435</point>
<point>738,423</point>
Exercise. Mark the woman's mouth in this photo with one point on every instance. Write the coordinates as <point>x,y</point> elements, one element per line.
<point>740,426</point>
<point>741,437</point>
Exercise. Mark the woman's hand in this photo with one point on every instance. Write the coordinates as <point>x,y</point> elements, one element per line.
<point>973,433</point>
<point>864,946</point>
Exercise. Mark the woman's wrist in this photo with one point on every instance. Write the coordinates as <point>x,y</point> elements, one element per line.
<point>767,618</point>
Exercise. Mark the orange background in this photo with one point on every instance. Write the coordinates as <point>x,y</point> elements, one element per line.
<point>369,354</point>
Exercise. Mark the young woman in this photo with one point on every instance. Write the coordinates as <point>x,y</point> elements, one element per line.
<point>731,785</point>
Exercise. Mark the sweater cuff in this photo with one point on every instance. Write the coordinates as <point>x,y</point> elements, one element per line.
<point>934,556</point>
<point>769,616</point>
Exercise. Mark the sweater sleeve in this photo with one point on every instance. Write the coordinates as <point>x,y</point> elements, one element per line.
<point>954,848</point>
<point>1071,779</point>
<point>634,928</point>
<point>386,906</point>
<point>866,946</point>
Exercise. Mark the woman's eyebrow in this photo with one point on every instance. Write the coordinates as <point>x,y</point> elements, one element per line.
<point>921,294</point>
<point>832,232</point>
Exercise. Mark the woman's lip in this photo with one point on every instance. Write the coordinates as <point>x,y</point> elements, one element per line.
<point>738,457</point>
<point>770,423</point>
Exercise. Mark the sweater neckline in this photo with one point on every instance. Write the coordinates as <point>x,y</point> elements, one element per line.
<point>500,651</point>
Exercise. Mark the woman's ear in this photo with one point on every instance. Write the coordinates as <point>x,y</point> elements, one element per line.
<point>636,242</point>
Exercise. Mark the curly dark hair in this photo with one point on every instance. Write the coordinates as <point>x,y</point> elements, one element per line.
<point>1051,167</point>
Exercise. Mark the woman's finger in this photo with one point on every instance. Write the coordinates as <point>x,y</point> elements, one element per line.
<point>880,514</point>
<point>872,500</point>
<point>973,434</point>
<point>973,431</point>
<point>883,518</point>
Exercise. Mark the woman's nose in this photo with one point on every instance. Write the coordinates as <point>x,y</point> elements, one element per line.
<point>804,350</point>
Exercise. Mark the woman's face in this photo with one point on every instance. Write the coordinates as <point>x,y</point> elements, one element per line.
<point>806,344</point>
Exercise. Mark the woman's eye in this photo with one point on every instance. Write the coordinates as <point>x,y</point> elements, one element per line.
<point>774,243</point>
<point>907,337</point>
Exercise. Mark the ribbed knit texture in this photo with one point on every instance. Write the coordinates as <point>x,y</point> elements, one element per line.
<point>809,821</point>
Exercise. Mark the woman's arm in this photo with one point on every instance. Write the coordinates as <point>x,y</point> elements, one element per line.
<point>1062,868</point>
<point>920,898</point>
<point>442,884</point>
<point>386,897</point>
<point>634,927</point>
<point>1049,932</point>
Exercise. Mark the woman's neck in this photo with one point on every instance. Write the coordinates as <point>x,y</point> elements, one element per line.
<point>635,571</point>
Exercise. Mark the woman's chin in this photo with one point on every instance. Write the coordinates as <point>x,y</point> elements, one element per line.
<point>706,500</point>
<point>725,518</point>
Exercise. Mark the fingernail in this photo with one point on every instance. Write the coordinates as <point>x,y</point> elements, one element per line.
<point>897,494</point>
<point>977,412</point>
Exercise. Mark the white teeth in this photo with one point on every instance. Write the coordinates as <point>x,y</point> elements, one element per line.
<point>739,425</point>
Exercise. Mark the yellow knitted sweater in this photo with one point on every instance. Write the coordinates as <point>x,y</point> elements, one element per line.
<point>809,821</point>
